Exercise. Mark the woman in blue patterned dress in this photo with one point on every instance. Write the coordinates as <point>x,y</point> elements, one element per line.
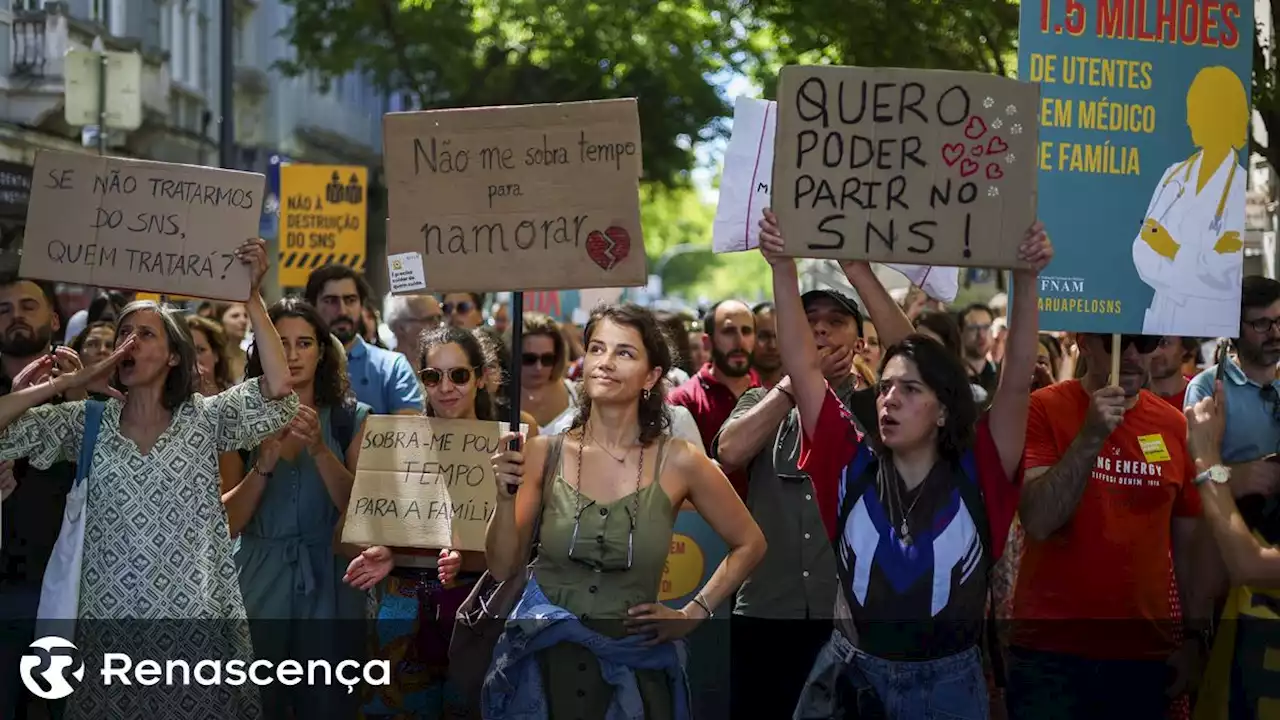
<point>283,500</point>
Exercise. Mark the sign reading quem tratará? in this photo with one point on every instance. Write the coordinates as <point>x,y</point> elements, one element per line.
<point>531,197</point>
<point>152,226</point>
<point>424,483</point>
<point>928,167</point>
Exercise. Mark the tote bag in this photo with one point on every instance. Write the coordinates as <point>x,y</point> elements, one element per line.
<point>60,591</point>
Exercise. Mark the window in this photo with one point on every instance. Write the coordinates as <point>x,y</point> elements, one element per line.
<point>193,46</point>
<point>166,25</point>
<point>178,50</point>
<point>202,52</point>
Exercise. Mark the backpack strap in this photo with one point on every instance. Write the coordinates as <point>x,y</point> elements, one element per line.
<point>92,422</point>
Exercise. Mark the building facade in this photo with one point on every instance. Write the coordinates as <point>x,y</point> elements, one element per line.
<point>178,40</point>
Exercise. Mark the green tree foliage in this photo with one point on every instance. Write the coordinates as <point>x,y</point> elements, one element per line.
<point>460,53</point>
<point>1266,89</point>
<point>951,34</point>
<point>677,238</point>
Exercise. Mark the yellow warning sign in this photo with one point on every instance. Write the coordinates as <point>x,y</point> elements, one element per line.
<point>323,212</point>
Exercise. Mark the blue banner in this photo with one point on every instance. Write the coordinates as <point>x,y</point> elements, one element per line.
<point>1144,157</point>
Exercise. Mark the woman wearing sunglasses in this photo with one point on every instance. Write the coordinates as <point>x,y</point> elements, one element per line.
<point>284,500</point>
<point>548,396</point>
<point>426,587</point>
<point>605,531</point>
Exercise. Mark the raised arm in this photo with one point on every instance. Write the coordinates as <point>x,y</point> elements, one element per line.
<point>275,368</point>
<point>754,421</point>
<point>1008,414</point>
<point>890,321</point>
<point>799,351</point>
<point>1051,493</point>
<point>509,536</point>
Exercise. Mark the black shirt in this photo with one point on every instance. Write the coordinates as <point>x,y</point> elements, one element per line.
<point>32,517</point>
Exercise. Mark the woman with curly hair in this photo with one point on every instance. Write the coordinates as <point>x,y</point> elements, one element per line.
<point>614,484</point>
<point>284,500</point>
<point>211,355</point>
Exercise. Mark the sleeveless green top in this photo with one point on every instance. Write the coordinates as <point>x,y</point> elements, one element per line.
<point>571,674</point>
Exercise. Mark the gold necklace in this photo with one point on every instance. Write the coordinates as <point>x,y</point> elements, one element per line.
<point>620,460</point>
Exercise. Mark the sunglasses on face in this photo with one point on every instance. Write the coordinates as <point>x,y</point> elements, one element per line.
<point>431,377</point>
<point>1144,343</point>
<point>461,308</point>
<point>545,359</point>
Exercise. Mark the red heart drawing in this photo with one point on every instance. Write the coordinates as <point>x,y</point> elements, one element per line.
<point>951,152</point>
<point>968,167</point>
<point>609,248</point>
<point>977,150</point>
<point>996,145</point>
<point>976,128</point>
<point>994,172</point>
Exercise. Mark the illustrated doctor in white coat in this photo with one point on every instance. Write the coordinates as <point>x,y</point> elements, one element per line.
<point>1190,248</point>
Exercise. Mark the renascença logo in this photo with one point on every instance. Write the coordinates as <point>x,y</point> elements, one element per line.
<point>51,675</point>
<point>55,675</point>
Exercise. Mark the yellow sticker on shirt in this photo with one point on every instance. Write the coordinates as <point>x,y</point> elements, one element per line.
<point>1153,448</point>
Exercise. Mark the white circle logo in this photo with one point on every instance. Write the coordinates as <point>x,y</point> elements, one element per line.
<point>50,666</point>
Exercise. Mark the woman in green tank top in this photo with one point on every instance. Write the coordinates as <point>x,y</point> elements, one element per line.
<point>606,521</point>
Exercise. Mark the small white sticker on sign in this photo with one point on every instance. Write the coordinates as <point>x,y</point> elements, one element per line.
<point>405,271</point>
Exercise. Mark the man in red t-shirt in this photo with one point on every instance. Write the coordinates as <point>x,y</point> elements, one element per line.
<point>1108,492</point>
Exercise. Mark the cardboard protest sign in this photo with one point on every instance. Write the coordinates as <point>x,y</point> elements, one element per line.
<point>1144,162</point>
<point>141,225</point>
<point>531,197</point>
<point>927,167</point>
<point>424,483</point>
<point>745,192</point>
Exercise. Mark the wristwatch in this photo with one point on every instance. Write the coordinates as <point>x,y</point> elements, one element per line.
<point>1217,473</point>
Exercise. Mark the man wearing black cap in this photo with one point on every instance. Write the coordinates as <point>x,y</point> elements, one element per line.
<point>785,608</point>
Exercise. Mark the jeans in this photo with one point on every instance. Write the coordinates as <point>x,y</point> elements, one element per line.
<point>1054,686</point>
<point>949,688</point>
<point>761,685</point>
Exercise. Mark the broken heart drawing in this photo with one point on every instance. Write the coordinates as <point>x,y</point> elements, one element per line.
<point>609,248</point>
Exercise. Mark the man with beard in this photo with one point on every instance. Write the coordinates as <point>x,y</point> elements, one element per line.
<point>766,360</point>
<point>729,334</point>
<point>382,379</point>
<point>977,341</point>
<point>1239,676</point>
<point>1167,362</point>
<point>32,514</point>
<point>1108,496</point>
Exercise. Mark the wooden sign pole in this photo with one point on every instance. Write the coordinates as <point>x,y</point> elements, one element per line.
<point>1115,359</point>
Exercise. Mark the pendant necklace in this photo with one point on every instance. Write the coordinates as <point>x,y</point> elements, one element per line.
<point>904,529</point>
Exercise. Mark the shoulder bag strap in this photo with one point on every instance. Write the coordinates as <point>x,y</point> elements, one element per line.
<point>92,421</point>
<point>550,468</point>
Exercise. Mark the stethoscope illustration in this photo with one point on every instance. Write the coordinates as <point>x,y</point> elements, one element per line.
<point>1185,167</point>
